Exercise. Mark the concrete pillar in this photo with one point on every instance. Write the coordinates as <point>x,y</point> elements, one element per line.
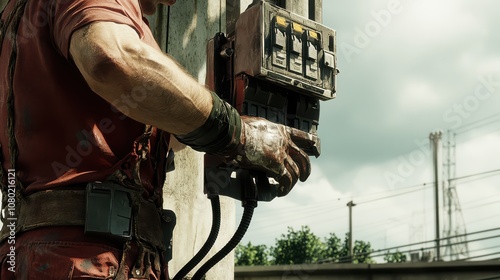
<point>191,24</point>
<point>3,3</point>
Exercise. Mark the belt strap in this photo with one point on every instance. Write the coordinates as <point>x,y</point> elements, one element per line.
<point>67,208</point>
<point>48,208</point>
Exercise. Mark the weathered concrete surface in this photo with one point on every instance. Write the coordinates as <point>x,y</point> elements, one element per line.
<point>2,4</point>
<point>191,24</point>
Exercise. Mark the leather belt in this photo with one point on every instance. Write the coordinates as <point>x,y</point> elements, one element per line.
<point>67,208</point>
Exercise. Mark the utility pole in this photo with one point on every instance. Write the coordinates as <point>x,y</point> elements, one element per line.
<point>350,204</point>
<point>454,230</point>
<point>183,30</point>
<point>435,138</point>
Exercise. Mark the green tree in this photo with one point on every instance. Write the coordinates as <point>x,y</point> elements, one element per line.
<point>298,247</point>
<point>248,255</point>
<point>333,251</point>
<point>396,257</point>
<point>361,251</point>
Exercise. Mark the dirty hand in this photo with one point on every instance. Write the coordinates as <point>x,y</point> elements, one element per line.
<point>268,146</point>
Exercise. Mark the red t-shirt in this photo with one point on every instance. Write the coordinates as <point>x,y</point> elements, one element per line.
<point>66,133</point>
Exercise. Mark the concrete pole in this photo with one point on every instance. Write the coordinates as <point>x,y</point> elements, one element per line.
<point>350,204</point>
<point>435,138</point>
<point>190,25</point>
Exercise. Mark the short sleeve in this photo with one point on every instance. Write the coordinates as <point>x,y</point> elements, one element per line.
<point>69,15</point>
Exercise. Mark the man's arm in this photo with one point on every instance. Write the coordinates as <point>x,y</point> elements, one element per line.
<point>117,64</point>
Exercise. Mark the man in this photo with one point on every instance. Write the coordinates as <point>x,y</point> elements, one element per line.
<point>88,102</point>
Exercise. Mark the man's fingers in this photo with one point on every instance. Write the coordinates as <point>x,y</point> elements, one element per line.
<point>293,169</point>
<point>305,141</point>
<point>285,183</point>
<point>302,161</point>
<point>290,178</point>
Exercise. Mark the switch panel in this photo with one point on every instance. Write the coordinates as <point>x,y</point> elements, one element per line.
<point>279,42</point>
<point>286,49</point>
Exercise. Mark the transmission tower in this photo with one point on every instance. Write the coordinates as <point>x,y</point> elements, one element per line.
<point>455,238</point>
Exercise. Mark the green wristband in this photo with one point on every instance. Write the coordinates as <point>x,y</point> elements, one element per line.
<point>221,132</point>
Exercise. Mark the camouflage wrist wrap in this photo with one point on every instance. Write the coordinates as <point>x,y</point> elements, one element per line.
<point>220,134</point>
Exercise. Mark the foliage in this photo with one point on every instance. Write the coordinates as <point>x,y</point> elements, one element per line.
<point>361,251</point>
<point>303,246</point>
<point>248,255</point>
<point>334,248</point>
<point>396,257</point>
<point>298,247</point>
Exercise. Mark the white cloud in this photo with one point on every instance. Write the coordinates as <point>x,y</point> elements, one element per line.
<point>396,89</point>
<point>480,152</point>
<point>417,96</point>
<point>429,24</point>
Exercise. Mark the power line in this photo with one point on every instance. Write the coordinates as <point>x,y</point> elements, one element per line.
<point>394,195</point>
<point>475,174</point>
<point>339,199</point>
<point>473,124</point>
<point>481,249</point>
<point>486,218</point>
<point>480,256</point>
<point>318,209</point>
<point>433,247</point>
<point>481,205</point>
<point>444,238</point>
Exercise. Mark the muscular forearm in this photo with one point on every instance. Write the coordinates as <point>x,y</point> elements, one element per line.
<point>150,87</point>
<point>139,80</point>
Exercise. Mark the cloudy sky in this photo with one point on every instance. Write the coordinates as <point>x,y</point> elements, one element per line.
<point>408,68</point>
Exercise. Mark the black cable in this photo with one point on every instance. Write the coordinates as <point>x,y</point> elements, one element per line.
<point>212,237</point>
<point>238,235</point>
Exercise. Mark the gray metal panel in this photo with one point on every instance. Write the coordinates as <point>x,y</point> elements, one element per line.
<point>257,56</point>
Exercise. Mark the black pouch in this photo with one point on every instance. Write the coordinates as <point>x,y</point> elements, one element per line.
<point>108,211</point>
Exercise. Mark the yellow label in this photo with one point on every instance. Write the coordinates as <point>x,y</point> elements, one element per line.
<point>281,21</point>
<point>313,34</point>
<point>297,28</point>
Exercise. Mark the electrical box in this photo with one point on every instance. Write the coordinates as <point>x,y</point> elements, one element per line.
<point>275,45</point>
<point>276,65</point>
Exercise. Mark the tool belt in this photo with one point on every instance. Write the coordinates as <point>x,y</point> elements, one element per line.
<point>106,209</point>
